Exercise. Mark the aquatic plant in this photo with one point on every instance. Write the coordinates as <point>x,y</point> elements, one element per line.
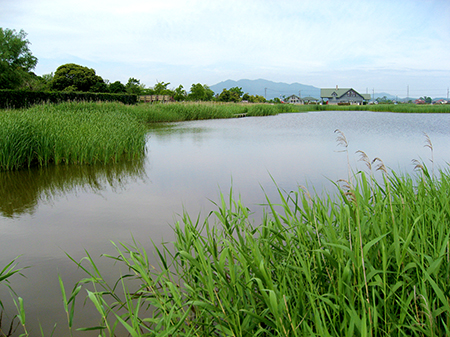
<point>68,133</point>
<point>373,259</point>
<point>175,112</point>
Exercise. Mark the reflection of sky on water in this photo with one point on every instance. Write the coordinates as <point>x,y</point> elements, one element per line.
<point>187,165</point>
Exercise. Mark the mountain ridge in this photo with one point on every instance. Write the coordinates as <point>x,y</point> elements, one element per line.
<point>270,89</point>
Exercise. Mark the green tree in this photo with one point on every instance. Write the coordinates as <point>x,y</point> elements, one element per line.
<point>253,98</point>
<point>160,88</point>
<point>117,87</point>
<point>427,99</point>
<point>179,94</point>
<point>16,60</point>
<point>134,86</point>
<point>73,77</point>
<point>200,92</point>
<point>231,95</point>
<point>38,83</point>
<point>237,91</point>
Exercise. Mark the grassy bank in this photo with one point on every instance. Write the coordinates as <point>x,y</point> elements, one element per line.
<point>175,112</point>
<point>405,108</point>
<point>372,260</point>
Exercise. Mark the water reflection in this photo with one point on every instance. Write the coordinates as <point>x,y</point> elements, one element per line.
<point>22,191</point>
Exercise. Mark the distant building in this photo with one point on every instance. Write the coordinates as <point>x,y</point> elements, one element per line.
<point>310,100</point>
<point>294,99</point>
<point>344,96</point>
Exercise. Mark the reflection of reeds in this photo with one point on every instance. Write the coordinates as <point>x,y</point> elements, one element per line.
<point>21,191</point>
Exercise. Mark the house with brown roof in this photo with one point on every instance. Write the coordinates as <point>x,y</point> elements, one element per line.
<point>343,96</point>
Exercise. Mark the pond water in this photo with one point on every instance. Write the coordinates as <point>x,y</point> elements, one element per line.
<point>48,213</point>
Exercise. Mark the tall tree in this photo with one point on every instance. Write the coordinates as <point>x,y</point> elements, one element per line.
<point>160,88</point>
<point>116,87</point>
<point>231,95</point>
<point>179,94</point>
<point>200,92</point>
<point>134,86</point>
<point>73,77</point>
<point>16,60</point>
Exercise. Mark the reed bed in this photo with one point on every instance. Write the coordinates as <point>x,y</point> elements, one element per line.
<point>103,132</point>
<point>371,260</point>
<point>175,112</point>
<point>68,133</point>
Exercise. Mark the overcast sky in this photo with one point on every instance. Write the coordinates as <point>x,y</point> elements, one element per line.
<point>383,45</point>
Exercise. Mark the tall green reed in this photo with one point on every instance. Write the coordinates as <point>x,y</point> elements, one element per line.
<point>372,260</point>
<point>69,133</point>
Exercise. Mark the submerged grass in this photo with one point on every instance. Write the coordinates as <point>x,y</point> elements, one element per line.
<point>374,260</point>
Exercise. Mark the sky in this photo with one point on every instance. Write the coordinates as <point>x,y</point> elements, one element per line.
<point>391,46</point>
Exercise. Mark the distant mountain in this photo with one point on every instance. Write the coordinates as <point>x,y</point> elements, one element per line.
<point>382,94</point>
<point>271,89</point>
<point>268,89</point>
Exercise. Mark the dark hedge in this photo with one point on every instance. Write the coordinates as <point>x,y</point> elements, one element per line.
<point>16,99</point>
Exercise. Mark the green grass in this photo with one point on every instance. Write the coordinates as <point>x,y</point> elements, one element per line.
<point>371,260</point>
<point>69,133</point>
<point>91,133</point>
<point>175,112</point>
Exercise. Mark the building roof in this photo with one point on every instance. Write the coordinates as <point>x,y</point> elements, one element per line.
<point>309,98</point>
<point>328,93</point>
<point>339,92</point>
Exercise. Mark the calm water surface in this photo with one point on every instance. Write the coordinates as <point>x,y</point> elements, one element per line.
<point>46,213</point>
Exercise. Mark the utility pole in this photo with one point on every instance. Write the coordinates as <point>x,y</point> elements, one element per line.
<point>300,94</point>
<point>265,93</point>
